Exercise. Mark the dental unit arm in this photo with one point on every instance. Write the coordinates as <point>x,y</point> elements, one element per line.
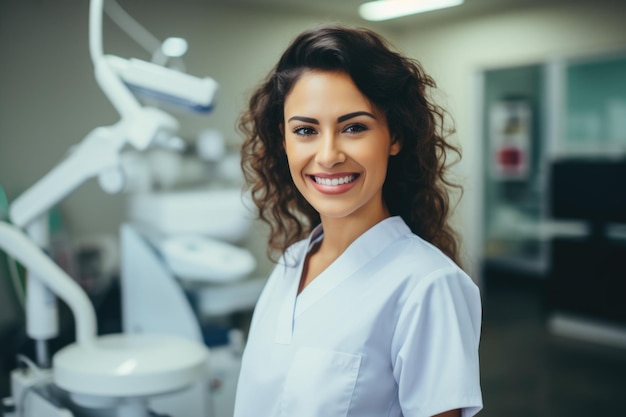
<point>17,244</point>
<point>97,155</point>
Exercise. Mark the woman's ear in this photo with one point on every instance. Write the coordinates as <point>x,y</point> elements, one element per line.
<point>395,147</point>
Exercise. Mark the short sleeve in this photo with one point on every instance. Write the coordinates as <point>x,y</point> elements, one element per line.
<point>435,346</point>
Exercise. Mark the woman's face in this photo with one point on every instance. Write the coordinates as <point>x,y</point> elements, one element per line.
<point>337,145</point>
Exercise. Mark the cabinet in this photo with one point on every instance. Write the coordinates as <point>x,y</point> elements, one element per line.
<point>554,193</point>
<point>587,167</point>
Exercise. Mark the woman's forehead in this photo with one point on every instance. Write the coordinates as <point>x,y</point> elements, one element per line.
<point>326,92</point>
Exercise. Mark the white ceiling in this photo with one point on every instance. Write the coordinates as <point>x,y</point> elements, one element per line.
<point>348,9</point>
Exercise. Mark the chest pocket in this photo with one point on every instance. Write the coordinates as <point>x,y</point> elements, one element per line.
<point>319,383</point>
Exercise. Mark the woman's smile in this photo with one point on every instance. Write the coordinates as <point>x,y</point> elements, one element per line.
<point>333,183</point>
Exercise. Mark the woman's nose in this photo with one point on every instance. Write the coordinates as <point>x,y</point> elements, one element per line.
<point>329,152</point>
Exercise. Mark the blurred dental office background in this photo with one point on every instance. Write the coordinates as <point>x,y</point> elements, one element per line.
<point>537,90</point>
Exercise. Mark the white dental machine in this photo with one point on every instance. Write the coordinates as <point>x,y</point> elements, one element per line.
<point>159,365</point>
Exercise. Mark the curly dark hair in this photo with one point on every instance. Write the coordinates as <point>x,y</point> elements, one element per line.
<point>415,188</point>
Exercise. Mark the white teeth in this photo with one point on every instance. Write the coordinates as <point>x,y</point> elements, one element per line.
<point>335,181</point>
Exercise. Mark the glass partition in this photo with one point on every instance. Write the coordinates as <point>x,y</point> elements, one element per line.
<point>595,106</point>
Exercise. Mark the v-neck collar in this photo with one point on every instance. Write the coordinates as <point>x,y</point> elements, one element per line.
<point>365,248</point>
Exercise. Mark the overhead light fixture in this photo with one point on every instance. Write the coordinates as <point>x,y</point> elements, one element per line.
<point>391,9</point>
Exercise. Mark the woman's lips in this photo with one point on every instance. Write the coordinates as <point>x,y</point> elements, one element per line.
<point>333,184</point>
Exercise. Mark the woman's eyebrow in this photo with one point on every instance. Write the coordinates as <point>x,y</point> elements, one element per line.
<point>355,114</point>
<point>339,119</point>
<point>304,119</point>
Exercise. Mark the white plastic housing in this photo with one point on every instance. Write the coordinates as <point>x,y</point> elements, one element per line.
<point>222,214</point>
<point>165,83</point>
<point>130,365</point>
<point>199,259</point>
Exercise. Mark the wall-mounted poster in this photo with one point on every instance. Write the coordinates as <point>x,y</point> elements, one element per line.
<point>510,139</point>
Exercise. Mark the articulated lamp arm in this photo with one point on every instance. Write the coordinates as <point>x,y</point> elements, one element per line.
<point>97,152</point>
<point>95,155</point>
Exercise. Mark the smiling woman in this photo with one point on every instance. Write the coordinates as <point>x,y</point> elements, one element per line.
<point>366,313</point>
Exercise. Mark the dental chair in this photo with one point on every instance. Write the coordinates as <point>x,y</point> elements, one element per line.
<point>112,375</point>
<point>179,248</point>
<point>184,268</point>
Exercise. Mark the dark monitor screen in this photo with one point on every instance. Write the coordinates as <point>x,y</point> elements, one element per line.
<point>588,189</point>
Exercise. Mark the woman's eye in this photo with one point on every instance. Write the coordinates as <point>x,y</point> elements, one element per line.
<point>355,128</point>
<point>304,131</point>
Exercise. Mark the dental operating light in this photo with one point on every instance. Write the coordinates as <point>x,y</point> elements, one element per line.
<point>392,9</point>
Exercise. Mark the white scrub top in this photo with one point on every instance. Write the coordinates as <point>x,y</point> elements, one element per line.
<point>390,329</point>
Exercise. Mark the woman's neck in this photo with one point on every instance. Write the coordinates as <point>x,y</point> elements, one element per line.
<point>339,233</point>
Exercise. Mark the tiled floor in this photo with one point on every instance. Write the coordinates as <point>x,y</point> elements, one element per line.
<point>529,372</point>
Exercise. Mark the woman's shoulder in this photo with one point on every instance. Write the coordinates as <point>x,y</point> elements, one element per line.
<point>416,252</point>
<point>420,264</point>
